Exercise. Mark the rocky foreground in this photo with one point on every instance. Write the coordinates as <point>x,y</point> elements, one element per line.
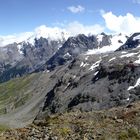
<point>121,123</point>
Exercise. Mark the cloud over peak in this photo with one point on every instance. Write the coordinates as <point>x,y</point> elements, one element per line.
<point>76,9</point>
<point>121,24</point>
<point>55,33</point>
<point>127,24</point>
<point>75,28</point>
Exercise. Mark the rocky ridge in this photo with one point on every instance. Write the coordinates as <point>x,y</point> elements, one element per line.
<point>46,53</point>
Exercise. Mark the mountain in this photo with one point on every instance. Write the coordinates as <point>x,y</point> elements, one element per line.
<point>23,58</point>
<point>132,42</point>
<point>92,44</point>
<point>44,53</point>
<point>72,48</point>
<point>85,73</point>
<point>32,54</point>
<point>95,82</point>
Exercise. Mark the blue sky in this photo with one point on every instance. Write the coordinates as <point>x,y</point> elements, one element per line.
<point>19,16</point>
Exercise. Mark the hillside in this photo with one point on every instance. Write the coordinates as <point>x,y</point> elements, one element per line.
<point>21,99</point>
<point>120,123</point>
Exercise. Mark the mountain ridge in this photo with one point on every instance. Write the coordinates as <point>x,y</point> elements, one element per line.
<point>35,57</point>
<point>71,80</point>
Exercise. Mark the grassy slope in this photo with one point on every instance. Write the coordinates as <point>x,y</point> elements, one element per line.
<point>14,93</point>
<point>21,98</point>
<point>122,123</point>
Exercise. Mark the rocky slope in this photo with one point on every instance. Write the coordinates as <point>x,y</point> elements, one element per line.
<point>120,123</point>
<point>95,82</point>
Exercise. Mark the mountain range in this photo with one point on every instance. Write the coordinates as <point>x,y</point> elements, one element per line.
<point>45,53</point>
<point>41,76</point>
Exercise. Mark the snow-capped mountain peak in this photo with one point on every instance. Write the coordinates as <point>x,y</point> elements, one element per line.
<point>28,37</point>
<point>115,41</point>
<point>48,33</point>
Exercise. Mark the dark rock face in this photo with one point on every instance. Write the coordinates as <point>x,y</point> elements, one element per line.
<point>28,59</point>
<point>131,42</point>
<point>71,49</point>
<point>38,54</point>
<point>79,99</point>
<point>9,57</point>
<point>105,86</point>
<point>50,97</point>
<point>13,73</point>
<point>105,40</point>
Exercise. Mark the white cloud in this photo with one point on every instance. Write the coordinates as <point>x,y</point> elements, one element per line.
<point>76,9</point>
<point>75,28</point>
<point>136,1</point>
<point>42,31</point>
<point>4,40</point>
<point>71,29</point>
<point>53,33</point>
<point>116,24</point>
<point>124,24</point>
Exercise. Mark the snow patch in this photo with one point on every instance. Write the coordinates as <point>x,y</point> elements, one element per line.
<point>83,64</point>
<point>105,55</point>
<point>96,73</point>
<point>137,84</point>
<point>67,86</point>
<point>67,55</point>
<point>128,55</point>
<point>112,59</point>
<point>86,58</point>
<point>96,78</point>
<point>86,64</point>
<point>137,61</point>
<point>128,99</point>
<point>74,76</point>
<point>114,46</point>
<point>123,52</point>
<point>59,46</point>
<point>136,37</point>
<point>19,49</point>
<point>95,65</point>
